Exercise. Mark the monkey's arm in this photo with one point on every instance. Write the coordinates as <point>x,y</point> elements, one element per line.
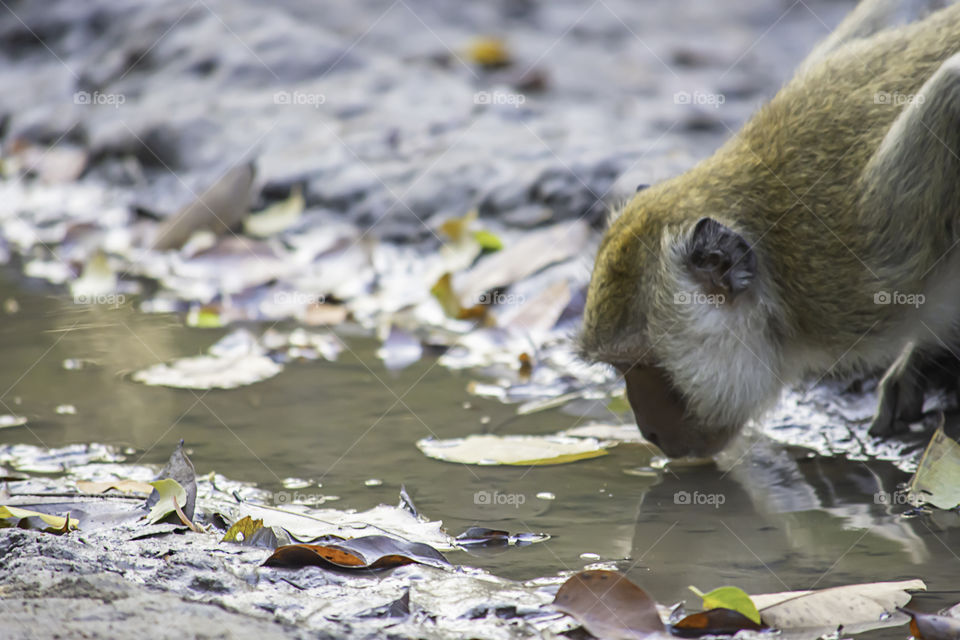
<point>910,190</point>
<point>870,17</point>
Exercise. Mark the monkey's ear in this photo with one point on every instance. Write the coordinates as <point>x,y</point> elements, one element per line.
<point>721,258</point>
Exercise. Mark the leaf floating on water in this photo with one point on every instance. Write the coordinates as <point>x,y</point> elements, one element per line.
<point>236,360</point>
<point>937,478</point>
<point>367,552</point>
<point>849,605</point>
<point>277,217</point>
<point>484,537</point>
<point>8,420</point>
<point>27,519</point>
<point>512,450</point>
<point>609,605</point>
<point>729,598</point>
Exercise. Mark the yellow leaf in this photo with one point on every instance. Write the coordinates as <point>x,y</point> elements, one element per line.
<point>489,52</point>
<point>55,522</point>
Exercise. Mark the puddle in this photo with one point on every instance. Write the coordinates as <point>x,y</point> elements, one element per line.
<point>343,433</point>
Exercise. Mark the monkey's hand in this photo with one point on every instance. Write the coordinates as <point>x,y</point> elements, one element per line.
<point>901,395</point>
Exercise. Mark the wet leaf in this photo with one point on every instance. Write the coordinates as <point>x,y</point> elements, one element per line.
<point>242,530</point>
<point>927,626</point>
<point>167,491</point>
<point>729,598</point>
<point>367,552</point>
<point>204,317</point>
<point>8,420</point>
<point>828,608</point>
<point>512,450</point>
<point>123,486</point>
<point>218,209</point>
<point>608,605</point>
<point>717,621</point>
<point>27,519</point>
<point>484,537</point>
<point>180,468</point>
<point>457,229</point>
<point>277,217</point>
<point>937,478</point>
<point>236,360</point>
<point>450,301</point>
<point>523,258</point>
<point>489,52</point>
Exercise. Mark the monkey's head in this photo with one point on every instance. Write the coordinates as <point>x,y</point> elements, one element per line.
<point>679,303</point>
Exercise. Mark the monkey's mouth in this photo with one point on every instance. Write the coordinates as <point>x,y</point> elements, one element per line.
<point>661,413</point>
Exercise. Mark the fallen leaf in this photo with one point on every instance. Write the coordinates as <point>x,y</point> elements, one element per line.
<point>609,606</point>
<point>123,486</point>
<point>715,622</point>
<point>27,519</point>
<point>937,478</point>
<point>236,360</point>
<point>242,530</point>
<point>8,420</point>
<point>218,209</point>
<point>729,598</point>
<point>457,228</point>
<point>450,302</point>
<point>277,217</point>
<point>927,626</point>
<point>488,240</point>
<point>168,495</point>
<point>367,552</point>
<point>512,450</point>
<point>829,608</point>
<point>488,52</point>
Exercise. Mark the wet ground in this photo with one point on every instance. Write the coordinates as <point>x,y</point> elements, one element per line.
<point>389,128</point>
<point>343,434</point>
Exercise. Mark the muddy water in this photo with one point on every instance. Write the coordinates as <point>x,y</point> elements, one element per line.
<point>778,520</point>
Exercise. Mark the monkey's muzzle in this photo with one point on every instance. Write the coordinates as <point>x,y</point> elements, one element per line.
<point>661,413</point>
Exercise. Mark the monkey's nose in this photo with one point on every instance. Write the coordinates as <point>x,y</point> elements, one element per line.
<point>659,411</point>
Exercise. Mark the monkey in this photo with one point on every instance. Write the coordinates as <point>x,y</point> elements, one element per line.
<point>820,239</point>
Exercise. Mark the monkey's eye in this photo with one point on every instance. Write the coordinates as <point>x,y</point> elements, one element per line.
<point>641,187</point>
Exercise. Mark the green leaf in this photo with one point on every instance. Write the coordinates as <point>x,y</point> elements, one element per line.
<point>168,489</point>
<point>56,522</point>
<point>729,598</point>
<point>487,240</point>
